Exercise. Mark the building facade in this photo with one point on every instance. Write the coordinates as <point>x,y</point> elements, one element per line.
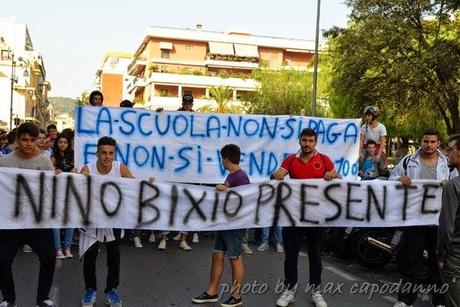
<point>112,78</point>
<point>63,121</point>
<point>170,62</point>
<point>23,85</point>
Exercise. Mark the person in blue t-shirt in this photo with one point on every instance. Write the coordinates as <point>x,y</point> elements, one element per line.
<point>371,166</point>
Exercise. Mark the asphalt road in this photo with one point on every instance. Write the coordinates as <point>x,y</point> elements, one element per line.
<point>171,278</point>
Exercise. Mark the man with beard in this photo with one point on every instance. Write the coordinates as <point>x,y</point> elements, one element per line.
<point>427,163</point>
<point>307,163</point>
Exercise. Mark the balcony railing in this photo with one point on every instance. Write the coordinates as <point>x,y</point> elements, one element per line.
<point>135,83</point>
<point>136,66</point>
<point>210,62</point>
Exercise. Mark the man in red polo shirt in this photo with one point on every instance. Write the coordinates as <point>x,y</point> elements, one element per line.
<point>307,163</point>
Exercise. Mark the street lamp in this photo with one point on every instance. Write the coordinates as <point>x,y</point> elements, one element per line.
<point>14,79</point>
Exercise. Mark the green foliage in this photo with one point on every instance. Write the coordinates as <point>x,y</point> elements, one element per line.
<point>222,96</point>
<point>138,100</point>
<point>63,104</point>
<point>84,98</point>
<point>403,56</point>
<point>284,92</point>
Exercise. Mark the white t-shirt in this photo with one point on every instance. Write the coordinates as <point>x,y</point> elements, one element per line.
<point>89,236</point>
<point>374,134</point>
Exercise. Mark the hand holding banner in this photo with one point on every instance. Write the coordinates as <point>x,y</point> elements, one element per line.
<point>33,199</point>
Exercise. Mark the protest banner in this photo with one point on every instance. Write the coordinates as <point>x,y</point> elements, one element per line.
<point>185,146</point>
<point>33,199</point>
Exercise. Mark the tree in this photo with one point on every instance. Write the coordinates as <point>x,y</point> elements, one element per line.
<point>63,104</point>
<point>84,98</point>
<point>284,92</point>
<point>401,55</point>
<point>222,95</point>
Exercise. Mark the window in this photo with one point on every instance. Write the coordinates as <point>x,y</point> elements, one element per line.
<point>165,54</point>
<point>5,55</point>
<point>114,60</point>
<point>164,92</point>
<point>189,47</point>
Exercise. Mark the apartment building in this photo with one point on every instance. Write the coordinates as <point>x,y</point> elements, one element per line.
<point>112,78</point>
<point>23,85</point>
<point>170,62</point>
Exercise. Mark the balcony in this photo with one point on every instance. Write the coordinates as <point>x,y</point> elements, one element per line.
<point>210,62</point>
<point>201,81</point>
<point>137,67</point>
<point>135,84</point>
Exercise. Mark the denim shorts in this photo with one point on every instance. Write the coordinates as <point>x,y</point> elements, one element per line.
<point>229,241</point>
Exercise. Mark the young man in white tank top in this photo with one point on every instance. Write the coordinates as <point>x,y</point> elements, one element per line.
<point>90,238</point>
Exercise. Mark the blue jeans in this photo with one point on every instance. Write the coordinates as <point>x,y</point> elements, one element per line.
<point>277,234</point>
<point>67,238</point>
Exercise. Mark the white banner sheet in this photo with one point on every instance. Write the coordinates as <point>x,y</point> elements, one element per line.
<point>185,146</point>
<point>33,199</point>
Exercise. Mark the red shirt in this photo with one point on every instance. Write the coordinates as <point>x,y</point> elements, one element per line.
<point>316,167</point>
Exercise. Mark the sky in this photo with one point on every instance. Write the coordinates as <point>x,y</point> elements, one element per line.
<point>74,35</point>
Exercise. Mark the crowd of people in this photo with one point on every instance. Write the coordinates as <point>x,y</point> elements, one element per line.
<point>30,147</point>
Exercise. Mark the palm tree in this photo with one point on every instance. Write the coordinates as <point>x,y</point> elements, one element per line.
<point>223,96</point>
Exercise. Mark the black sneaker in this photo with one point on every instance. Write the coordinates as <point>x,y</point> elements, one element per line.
<point>232,302</point>
<point>205,298</point>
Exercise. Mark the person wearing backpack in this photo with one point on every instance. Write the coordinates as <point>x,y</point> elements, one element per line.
<point>307,163</point>
<point>427,163</point>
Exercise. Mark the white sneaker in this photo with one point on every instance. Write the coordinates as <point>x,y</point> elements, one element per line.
<point>401,304</point>
<point>162,245</point>
<point>177,237</point>
<point>195,238</point>
<point>152,238</point>
<point>137,242</point>
<point>246,248</point>
<point>47,303</point>
<point>6,304</point>
<point>27,249</point>
<point>279,248</point>
<point>60,255</point>
<point>318,299</point>
<point>263,247</point>
<point>184,246</point>
<point>440,305</point>
<point>68,254</point>
<point>286,298</point>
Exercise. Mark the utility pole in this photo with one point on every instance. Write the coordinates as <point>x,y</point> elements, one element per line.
<point>315,61</point>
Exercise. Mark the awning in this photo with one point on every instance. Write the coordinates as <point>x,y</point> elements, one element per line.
<point>221,48</point>
<point>166,46</point>
<point>246,50</point>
